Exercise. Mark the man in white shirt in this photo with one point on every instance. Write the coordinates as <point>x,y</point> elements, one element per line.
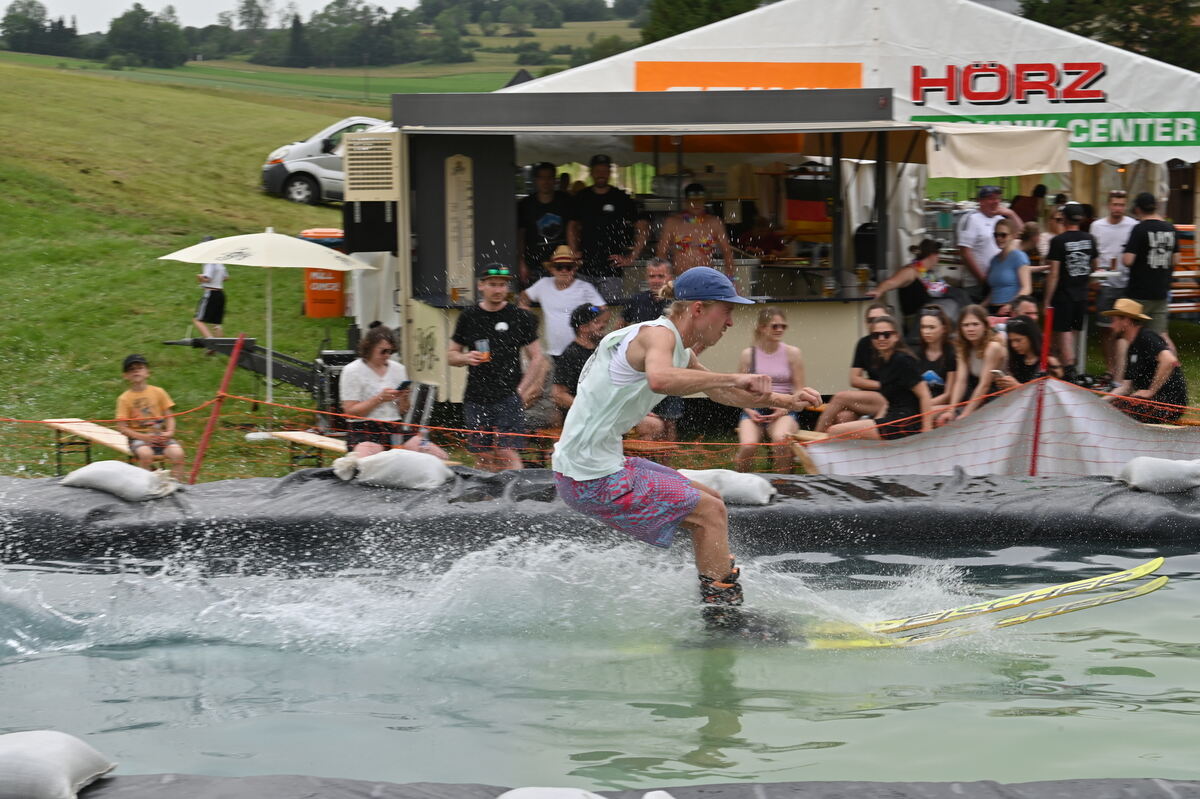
<point>1112,233</point>
<point>559,296</point>
<point>977,242</point>
<point>211,310</point>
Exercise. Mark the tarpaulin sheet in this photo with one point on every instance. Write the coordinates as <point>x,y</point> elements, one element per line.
<point>177,786</point>
<point>1080,434</point>
<point>310,517</point>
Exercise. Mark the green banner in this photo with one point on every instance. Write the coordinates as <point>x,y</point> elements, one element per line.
<point>1166,129</point>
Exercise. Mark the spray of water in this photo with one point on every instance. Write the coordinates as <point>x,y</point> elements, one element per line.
<point>512,590</point>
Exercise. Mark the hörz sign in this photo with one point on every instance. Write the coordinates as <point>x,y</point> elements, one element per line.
<point>993,83</point>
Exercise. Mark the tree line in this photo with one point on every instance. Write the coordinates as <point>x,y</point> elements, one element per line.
<point>349,33</point>
<point>345,33</point>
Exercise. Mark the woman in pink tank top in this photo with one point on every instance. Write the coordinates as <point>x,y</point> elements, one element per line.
<point>768,355</point>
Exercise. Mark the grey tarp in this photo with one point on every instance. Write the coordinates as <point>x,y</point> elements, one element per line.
<point>311,517</point>
<point>182,786</point>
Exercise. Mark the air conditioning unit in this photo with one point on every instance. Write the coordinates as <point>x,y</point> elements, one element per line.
<point>372,166</point>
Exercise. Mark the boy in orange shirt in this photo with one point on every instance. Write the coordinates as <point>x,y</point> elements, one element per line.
<point>143,416</point>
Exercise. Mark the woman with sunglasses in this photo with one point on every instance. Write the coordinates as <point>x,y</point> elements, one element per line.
<point>768,355</point>
<point>907,404</point>
<point>980,353</point>
<point>375,387</point>
<point>1010,273</point>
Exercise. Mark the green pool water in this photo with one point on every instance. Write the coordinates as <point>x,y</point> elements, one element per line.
<point>564,665</point>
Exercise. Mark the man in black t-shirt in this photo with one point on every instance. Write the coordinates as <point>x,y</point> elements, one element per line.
<point>1073,254</point>
<point>542,219</point>
<point>1152,370</point>
<point>489,340</point>
<point>606,231</point>
<point>590,323</point>
<point>645,305</point>
<point>1152,253</point>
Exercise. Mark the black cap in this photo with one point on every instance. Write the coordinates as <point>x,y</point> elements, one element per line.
<point>1145,202</point>
<point>694,190</point>
<point>1073,212</point>
<point>583,314</point>
<point>599,159</point>
<point>495,270</point>
<point>131,360</point>
<point>988,191</point>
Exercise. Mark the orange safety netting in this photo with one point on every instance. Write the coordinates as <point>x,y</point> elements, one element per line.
<point>252,438</point>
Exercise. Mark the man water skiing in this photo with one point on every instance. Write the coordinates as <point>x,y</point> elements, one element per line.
<point>627,376</point>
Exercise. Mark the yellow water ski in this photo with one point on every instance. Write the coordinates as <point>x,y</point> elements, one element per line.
<point>867,639</point>
<point>1013,600</point>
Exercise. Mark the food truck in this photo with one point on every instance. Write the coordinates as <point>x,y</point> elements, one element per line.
<point>442,186</point>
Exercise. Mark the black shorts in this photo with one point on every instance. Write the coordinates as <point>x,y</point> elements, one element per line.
<point>211,309</point>
<point>891,427</point>
<point>374,430</point>
<point>495,419</point>
<point>1068,315</point>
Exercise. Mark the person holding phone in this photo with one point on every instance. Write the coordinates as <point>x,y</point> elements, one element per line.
<point>376,388</point>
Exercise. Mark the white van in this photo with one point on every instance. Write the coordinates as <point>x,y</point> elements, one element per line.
<point>310,171</point>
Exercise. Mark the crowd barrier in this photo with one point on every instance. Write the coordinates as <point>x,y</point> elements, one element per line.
<point>1044,428</point>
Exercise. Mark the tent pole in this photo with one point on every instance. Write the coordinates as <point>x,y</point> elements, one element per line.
<point>837,250</point>
<point>881,207</point>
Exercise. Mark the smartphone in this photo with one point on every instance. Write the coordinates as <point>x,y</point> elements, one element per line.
<point>997,373</point>
<point>404,386</point>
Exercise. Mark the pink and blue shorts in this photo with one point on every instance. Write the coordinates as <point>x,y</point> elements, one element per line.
<point>645,499</point>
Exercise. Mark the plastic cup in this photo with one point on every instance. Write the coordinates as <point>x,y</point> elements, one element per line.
<point>484,348</point>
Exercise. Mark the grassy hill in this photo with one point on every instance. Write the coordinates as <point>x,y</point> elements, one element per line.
<point>101,176</point>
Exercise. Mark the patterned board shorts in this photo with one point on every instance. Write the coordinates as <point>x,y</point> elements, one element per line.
<point>645,499</point>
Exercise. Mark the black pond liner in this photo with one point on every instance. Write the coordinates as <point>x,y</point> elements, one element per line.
<point>313,519</point>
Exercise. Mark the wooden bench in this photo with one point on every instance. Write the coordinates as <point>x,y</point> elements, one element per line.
<point>78,435</point>
<point>308,447</point>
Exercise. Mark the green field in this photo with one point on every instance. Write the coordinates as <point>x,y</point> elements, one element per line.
<point>372,86</point>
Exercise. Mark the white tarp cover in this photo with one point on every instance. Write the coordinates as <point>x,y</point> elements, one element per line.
<point>964,150</point>
<point>1081,434</point>
<point>946,60</point>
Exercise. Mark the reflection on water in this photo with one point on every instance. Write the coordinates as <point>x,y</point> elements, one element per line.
<point>563,664</point>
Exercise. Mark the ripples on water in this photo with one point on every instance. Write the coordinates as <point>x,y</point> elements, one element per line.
<point>565,664</point>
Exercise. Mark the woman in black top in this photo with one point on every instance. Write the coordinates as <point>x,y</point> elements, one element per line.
<point>906,394</point>
<point>1024,354</point>
<point>937,360</point>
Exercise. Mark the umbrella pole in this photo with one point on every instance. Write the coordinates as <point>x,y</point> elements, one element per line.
<point>270,349</point>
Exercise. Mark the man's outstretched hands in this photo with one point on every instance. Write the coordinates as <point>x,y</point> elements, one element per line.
<point>806,398</point>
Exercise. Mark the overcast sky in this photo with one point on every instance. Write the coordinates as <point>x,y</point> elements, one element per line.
<point>94,15</point>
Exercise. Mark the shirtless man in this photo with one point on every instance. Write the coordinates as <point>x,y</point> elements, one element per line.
<point>629,373</point>
<point>690,237</point>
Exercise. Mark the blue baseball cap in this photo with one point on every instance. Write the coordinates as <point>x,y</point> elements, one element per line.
<point>706,283</point>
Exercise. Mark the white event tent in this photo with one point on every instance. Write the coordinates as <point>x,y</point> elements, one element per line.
<point>945,60</point>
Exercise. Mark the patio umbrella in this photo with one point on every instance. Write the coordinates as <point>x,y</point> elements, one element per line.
<point>270,250</point>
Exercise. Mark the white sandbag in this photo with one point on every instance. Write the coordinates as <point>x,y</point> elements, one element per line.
<point>394,468</point>
<point>549,793</point>
<point>1161,476</point>
<point>737,488</point>
<point>123,480</point>
<point>47,764</point>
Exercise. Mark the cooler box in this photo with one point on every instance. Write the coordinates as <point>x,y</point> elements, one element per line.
<point>324,289</point>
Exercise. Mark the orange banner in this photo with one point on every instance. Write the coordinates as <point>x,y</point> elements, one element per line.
<point>665,76</point>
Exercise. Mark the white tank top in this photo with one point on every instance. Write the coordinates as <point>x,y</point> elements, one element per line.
<point>611,398</point>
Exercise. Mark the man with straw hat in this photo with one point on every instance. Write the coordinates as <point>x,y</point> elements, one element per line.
<point>1152,370</point>
<point>559,295</point>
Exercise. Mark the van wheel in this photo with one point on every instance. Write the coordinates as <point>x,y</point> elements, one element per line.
<point>301,189</point>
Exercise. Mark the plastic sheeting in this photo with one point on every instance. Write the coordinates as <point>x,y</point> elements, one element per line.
<point>1081,434</point>
<point>313,519</point>
<point>176,786</point>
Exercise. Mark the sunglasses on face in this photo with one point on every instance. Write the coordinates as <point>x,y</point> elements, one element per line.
<point>778,326</point>
<point>880,335</point>
<point>1001,235</point>
<point>1058,219</point>
<point>387,351</point>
